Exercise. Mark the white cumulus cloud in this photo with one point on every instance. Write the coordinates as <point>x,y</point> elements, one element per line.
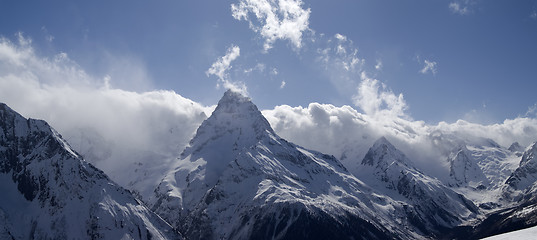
<point>274,19</point>
<point>375,99</point>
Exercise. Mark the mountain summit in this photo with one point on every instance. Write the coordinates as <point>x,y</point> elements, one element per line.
<point>236,123</point>
<point>383,154</point>
<point>464,170</point>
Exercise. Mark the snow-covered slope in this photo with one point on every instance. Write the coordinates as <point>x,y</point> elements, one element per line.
<point>439,207</point>
<point>49,192</point>
<point>524,234</point>
<point>497,163</point>
<point>239,180</point>
<point>522,215</point>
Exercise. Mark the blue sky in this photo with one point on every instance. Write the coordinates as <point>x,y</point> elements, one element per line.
<point>455,59</point>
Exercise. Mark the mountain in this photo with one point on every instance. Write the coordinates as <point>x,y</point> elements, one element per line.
<point>526,174</point>
<point>438,207</point>
<point>464,171</point>
<point>239,180</point>
<point>515,147</point>
<point>50,192</point>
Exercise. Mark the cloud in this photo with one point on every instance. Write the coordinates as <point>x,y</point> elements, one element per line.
<point>338,58</point>
<point>283,84</point>
<point>378,66</point>
<point>221,67</point>
<point>532,111</point>
<point>461,7</point>
<point>348,134</point>
<point>429,66</point>
<point>533,14</point>
<point>260,67</point>
<point>99,120</point>
<point>223,64</point>
<point>344,132</point>
<point>47,35</point>
<point>119,131</point>
<point>274,19</point>
<point>376,100</point>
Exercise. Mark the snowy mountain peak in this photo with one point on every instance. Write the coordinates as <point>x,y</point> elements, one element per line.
<point>515,147</point>
<point>383,153</point>
<point>236,117</point>
<point>464,169</point>
<point>234,99</point>
<point>235,125</point>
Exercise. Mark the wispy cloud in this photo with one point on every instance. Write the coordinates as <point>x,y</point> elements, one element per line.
<point>48,36</point>
<point>274,19</point>
<point>339,59</point>
<point>429,66</point>
<point>379,65</point>
<point>282,85</point>
<point>532,111</point>
<point>461,7</point>
<point>223,64</point>
<point>260,67</point>
<point>221,67</point>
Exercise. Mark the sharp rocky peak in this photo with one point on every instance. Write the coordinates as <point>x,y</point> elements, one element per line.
<point>464,169</point>
<point>529,154</point>
<point>384,153</point>
<point>13,126</point>
<point>515,147</point>
<point>237,117</point>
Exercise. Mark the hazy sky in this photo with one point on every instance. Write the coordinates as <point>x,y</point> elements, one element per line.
<point>454,59</point>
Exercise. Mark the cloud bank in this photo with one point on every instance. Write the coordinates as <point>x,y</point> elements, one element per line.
<point>347,134</point>
<point>113,128</point>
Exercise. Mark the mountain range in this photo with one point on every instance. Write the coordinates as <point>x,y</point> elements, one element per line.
<point>237,179</point>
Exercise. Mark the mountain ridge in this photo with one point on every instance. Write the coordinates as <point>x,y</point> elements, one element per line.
<point>52,193</point>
